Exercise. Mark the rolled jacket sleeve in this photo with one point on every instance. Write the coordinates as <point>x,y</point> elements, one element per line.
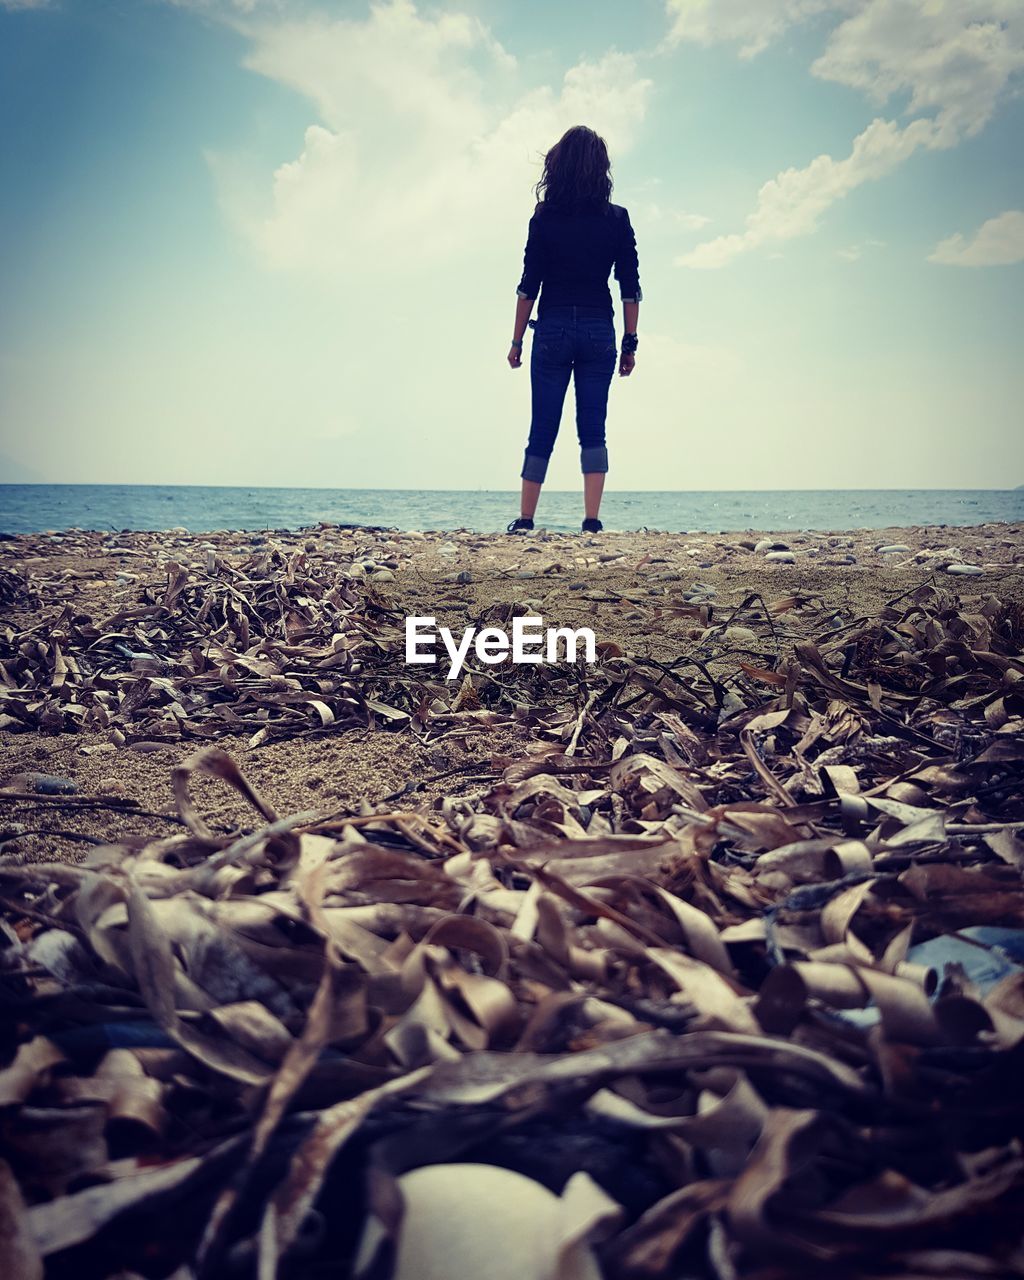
<point>533,267</point>
<point>627,267</point>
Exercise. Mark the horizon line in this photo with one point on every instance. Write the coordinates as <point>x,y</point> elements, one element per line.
<point>315,488</point>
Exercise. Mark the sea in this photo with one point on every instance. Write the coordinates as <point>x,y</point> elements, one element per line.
<point>34,508</point>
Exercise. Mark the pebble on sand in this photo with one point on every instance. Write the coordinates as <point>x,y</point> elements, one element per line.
<point>741,635</point>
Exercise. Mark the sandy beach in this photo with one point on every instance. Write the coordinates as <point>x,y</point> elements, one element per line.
<point>662,929</point>
<point>655,595</point>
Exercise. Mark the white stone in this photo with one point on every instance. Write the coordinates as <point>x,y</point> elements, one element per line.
<point>463,1220</point>
<point>741,635</point>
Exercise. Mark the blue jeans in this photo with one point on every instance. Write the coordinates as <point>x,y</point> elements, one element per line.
<point>570,339</point>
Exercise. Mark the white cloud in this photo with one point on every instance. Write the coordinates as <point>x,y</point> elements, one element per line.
<point>956,60</point>
<point>395,234</point>
<point>752,25</point>
<point>427,143</point>
<point>13,5</point>
<point>999,242</point>
<point>791,204</point>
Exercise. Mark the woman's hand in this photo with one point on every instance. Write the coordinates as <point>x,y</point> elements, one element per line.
<point>515,356</point>
<point>626,362</point>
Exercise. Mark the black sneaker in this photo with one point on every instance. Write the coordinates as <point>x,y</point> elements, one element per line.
<point>523,525</point>
<point>591,525</point>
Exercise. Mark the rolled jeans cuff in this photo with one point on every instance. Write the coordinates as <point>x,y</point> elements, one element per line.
<point>593,459</point>
<point>535,468</point>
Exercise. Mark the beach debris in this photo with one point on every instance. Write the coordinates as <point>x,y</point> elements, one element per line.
<point>688,971</point>
<point>43,784</point>
<point>15,591</point>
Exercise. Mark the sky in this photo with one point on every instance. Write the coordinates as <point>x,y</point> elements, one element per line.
<point>272,242</point>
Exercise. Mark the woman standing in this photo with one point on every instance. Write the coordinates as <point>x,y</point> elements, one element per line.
<point>576,237</point>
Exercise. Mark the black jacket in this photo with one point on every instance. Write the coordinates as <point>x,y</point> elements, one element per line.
<point>571,254</point>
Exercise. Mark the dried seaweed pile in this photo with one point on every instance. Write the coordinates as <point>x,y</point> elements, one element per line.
<point>730,963</point>
<point>248,648</point>
<point>282,643</point>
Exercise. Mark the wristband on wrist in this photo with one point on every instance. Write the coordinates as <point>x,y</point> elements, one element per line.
<point>517,342</point>
<point>630,341</point>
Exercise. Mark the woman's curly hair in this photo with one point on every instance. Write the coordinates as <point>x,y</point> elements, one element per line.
<point>577,173</point>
